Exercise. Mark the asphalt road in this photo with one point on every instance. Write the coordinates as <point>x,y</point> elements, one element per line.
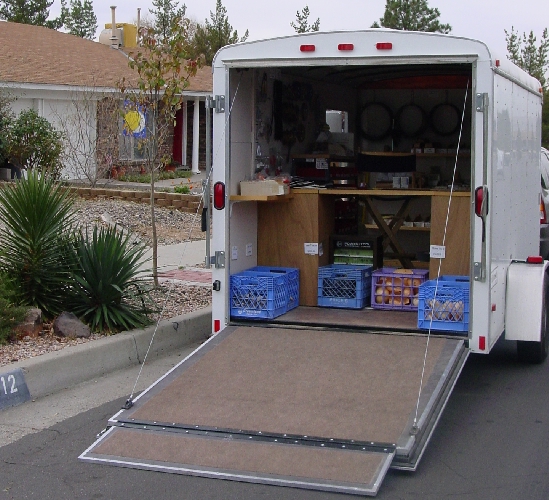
<point>492,442</point>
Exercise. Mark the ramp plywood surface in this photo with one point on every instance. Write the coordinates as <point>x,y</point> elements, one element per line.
<point>311,409</point>
<point>330,384</point>
<point>275,460</point>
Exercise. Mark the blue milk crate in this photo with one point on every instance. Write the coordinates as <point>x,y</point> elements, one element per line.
<point>449,309</point>
<point>292,275</point>
<point>258,295</point>
<point>346,286</point>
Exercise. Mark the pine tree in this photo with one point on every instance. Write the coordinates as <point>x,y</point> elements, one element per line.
<point>411,15</point>
<point>302,22</point>
<point>210,37</point>
<point>164,13</point>
<point>525,54</point>
<point>79,19</point>
<point>35,12</point>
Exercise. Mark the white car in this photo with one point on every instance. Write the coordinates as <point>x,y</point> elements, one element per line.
<point>544,205</point>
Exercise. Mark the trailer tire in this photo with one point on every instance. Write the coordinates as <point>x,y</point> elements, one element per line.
<point>535,352</point>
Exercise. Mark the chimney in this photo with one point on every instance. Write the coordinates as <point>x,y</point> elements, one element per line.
<point>114,37</point>
<point>138,24</point>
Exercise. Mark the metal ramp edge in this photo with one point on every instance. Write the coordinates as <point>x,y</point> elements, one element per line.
<point>411,446</point>
<point>338,470</point>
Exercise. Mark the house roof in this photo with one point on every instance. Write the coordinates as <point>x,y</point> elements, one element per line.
<point>41,56</point>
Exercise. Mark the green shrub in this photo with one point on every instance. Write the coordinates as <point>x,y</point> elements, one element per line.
<point>146,178</point>
<point>38,215</point>
<point>107,293</point>
<point>35,144</point>
<point>10,313</point>
<point>184,189</point>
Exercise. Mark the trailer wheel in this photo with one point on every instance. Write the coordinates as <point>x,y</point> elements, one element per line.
<point>536,351</point>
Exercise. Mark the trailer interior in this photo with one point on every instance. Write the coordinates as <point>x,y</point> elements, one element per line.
<point>410,121</point>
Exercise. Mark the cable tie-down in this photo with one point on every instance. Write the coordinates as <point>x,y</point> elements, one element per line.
<point>128,404</point>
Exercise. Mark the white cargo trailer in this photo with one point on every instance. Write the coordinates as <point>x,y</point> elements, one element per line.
<point>441,159</point>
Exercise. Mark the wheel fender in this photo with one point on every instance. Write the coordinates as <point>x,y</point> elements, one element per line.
<point>524,300</point>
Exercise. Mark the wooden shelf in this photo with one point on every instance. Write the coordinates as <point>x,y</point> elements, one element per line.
<point>402,228</point>
<point>392,192</point>
<point>278,197</point>
<point>418,155</point>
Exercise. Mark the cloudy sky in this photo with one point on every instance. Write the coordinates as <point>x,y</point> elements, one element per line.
<point>480,19</point>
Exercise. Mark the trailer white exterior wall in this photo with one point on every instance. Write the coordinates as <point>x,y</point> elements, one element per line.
<point>505,138</point>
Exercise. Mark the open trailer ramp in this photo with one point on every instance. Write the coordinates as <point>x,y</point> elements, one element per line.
<point>305,408</point>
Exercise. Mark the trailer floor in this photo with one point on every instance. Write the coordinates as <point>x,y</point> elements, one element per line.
<point>307,408</point>
<point>386,320</point>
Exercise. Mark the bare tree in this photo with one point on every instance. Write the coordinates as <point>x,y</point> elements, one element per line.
<point>79,125</point>
<point>163,68</point>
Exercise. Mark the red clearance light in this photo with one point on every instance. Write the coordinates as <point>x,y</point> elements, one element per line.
<point>217,325</point>
<point>482,343</point>
<point>497,63</point>
<point>480,209</point>
<point>384,46</point>
<point>346,46</point>
<point>535,259</point>
<point>219,195</point>
<point>307,48</point>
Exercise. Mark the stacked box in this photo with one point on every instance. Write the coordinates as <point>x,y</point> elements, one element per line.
<point>264,293</point>
<point>444,304</point>
<point>397,289</point>
<point>345,286</point>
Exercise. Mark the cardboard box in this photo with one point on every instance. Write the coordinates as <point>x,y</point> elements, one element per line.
<point>267,187</point>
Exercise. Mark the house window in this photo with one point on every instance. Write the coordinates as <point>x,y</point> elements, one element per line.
<point>134,128</point>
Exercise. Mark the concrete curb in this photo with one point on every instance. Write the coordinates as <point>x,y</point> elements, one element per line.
<point>55,371</point>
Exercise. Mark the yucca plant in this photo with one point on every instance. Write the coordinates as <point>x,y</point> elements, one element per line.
<point>37,215</point>
<point>107,292</point>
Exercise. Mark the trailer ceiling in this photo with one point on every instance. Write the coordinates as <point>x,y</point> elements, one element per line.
<point>386,76</point>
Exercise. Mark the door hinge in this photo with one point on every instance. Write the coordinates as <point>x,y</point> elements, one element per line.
<point>217,260</point>
<point>481,101</point>
<point>218,103</point>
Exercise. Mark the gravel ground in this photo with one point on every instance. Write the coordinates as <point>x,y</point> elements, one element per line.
<point>172,298</point>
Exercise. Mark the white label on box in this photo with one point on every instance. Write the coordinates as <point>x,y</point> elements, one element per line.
<point>321,163</point>
<point>249,250</point>
<point>438,252</point>
<point>311,248</point>
<point>234,253</point>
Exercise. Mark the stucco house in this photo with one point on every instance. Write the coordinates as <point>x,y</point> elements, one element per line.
<point>71,82</point>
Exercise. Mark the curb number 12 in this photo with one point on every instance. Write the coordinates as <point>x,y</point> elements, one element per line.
<point>13,389</point>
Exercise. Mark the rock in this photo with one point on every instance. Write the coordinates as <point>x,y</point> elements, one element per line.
<point>31,326</point>
<point>68,325</point>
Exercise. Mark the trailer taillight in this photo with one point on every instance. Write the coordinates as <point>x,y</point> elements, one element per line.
<point>482,343</point>
<point>542,211</point>
<point>481,201</point>
<point>384,46</point>
<point>217,325</point>
<point>307,48</point>
<point>219,195</point>
<point>345,46</point>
